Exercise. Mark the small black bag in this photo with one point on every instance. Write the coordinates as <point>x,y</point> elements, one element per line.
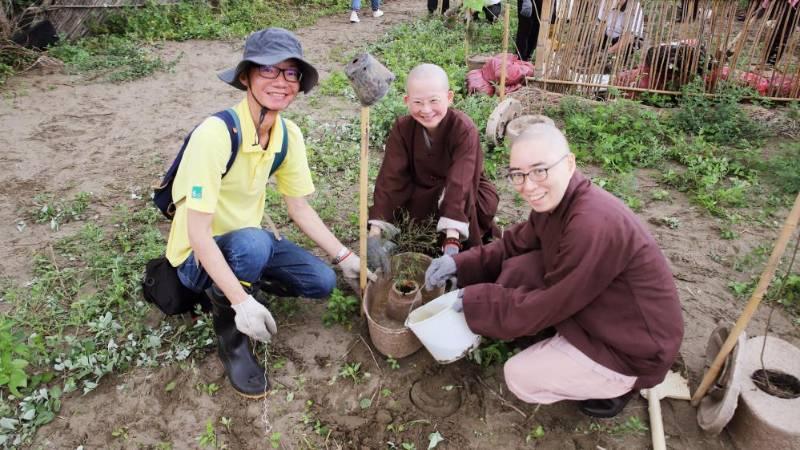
<point>162,287</point>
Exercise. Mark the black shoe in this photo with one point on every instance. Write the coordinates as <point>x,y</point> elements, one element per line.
<point>247,377</point>
<point>605,408</point>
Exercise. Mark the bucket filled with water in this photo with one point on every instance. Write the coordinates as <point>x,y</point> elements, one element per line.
<point>442,330</point>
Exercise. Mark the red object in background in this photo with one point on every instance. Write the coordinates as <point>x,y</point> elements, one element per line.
<point>477,84</point>
<point>487,77</point>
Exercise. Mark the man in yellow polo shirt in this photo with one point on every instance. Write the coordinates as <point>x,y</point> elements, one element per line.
<point>216,241</point>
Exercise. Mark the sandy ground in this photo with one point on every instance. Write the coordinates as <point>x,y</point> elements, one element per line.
<point>63,134</point>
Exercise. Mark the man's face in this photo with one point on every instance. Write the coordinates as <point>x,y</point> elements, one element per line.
<point>274,93</point>
<point>427,102</point>
<point>540,159</point>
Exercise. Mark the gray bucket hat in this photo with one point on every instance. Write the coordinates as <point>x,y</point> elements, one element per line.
<point>271,46</point>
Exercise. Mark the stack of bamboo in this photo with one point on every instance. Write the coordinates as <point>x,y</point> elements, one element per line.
<point>678,41</point>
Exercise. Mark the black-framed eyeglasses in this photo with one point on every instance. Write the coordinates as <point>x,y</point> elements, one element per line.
<point>536,174</point>
<point>291,74</point>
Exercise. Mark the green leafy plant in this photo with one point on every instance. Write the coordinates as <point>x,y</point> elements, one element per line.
<point>491,352</point>
<point>207,388</point>
<point>352,371</point>
<point>341,308</point>
<point>536,432</point>
<point>120,433</point>
<point>209,436</point>
<point>275,439</point>
<point>392,363</point>
<point>14,358</point>
<point>226,422</point>
<point>57,212</point>
<point>719,120</point>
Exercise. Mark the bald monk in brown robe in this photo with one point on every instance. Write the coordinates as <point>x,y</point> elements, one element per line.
<point>584,265</point>
<point>433,168</point>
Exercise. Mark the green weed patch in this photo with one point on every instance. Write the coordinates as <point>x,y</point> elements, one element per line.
<point>84,317</point>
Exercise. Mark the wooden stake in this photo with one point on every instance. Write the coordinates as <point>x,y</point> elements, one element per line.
<point>503,62</point>
<point>542,44</point>
<point>466,38</point>
<point>766,277</point>
<point>362,201</point>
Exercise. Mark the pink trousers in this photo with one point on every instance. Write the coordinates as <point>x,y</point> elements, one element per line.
<point>554,370</point>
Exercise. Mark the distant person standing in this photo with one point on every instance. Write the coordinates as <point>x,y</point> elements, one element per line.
<point>786,15</point>
<point>491,10</point>
<point>433,5</point>
<point>528,14</point>
<point>355,6</point>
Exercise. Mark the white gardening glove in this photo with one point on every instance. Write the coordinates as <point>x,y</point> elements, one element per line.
<point>351,265</point>
<point>440,270</point>
<point>458,305</point>
<point>254,319</point>
<point>527,9</point>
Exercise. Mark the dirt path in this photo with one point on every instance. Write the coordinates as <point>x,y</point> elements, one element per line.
<point>64,135</point>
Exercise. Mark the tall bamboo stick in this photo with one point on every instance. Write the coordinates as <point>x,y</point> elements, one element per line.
<point>362,201</point>
<point>504,62</point>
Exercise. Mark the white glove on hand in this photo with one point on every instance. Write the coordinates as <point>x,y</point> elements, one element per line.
<point>254,320</point>
<point>458,305</point>
<point>439,271</point>
<point>527,9</point>
<point>351,266</point>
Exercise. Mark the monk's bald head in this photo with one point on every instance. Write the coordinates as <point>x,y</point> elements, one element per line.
<point>542,139</point>
<point>429,74</point>
<point>428,95</point>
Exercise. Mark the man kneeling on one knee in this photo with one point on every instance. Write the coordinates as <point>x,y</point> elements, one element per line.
<point>584,265</point>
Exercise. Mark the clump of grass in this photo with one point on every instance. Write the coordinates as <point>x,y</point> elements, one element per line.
<point>119,58</point>
<point>619,135</point>
<point>85,318</point>
<point>719,120</point>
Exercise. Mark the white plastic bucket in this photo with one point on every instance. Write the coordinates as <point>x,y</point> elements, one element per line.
<point>443,330</point>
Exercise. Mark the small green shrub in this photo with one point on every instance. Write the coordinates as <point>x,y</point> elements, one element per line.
<point>341,309</point>
<point>721,119</point>
<point>491,352</point>
<point>619,135</point>
<point>15,357</point>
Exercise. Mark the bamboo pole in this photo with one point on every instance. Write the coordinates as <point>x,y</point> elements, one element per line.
<point>504,61</point>
<point>362,201</point>
<point>766,277</point>
<point>542,45</point>
<point>466,38</point>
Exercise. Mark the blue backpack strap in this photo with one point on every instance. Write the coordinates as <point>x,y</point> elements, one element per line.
<point>280,156</point>
<point>231,120</point>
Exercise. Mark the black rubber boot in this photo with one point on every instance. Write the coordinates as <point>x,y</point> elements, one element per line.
<point>605,408</point>
<point>247,377</point>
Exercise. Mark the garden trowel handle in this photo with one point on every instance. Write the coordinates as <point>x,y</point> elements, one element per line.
<point>656,423</point>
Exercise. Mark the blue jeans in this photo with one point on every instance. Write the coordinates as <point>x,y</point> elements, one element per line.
<point>254,254</point>
<point>356,5</point>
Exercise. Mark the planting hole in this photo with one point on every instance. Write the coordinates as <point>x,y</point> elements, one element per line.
<point>777,384</point>
<point>406,286</point>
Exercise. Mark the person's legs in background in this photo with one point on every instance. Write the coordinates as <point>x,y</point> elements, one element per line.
<point>784,26</point>
<point>528,30</point>
<point>355,6</point>
<point>492,12</point>
<point>376,8</point>
<point>433,5</point>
